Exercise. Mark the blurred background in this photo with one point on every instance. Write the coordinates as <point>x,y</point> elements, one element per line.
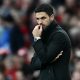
<point>16,24</point>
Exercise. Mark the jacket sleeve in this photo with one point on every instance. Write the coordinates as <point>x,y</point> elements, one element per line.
<point>35,62</point>
<point>56,44</point>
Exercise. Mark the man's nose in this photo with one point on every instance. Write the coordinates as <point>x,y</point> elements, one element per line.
<point>40,22</point>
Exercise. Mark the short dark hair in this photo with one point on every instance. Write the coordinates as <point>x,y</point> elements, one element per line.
<point>45,8</point>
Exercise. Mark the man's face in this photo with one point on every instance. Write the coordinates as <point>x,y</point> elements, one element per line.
<point>43,19</point>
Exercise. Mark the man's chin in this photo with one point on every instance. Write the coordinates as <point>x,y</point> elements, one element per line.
<point>43,26</point>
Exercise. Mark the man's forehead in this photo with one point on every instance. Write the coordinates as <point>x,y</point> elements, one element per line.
<point>41,14</point>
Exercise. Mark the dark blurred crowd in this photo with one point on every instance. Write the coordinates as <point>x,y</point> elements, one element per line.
<point>16,24</point>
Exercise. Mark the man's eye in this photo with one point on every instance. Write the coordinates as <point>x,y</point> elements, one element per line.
<point>37,18</point>
<point>43,18</point>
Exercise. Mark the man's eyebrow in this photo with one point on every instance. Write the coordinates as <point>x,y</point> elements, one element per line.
<point>43,17</point>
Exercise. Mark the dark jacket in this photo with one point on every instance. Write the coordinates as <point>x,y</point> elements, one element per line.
<point>53,40</point>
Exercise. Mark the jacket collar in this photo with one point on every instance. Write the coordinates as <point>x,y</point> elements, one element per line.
<point>52,26</point>
<point>47,31</point>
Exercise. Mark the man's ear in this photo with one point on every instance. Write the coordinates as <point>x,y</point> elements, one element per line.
<point>52,17</point>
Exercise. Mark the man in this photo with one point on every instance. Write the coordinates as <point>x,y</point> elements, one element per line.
<point>51,45</point>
